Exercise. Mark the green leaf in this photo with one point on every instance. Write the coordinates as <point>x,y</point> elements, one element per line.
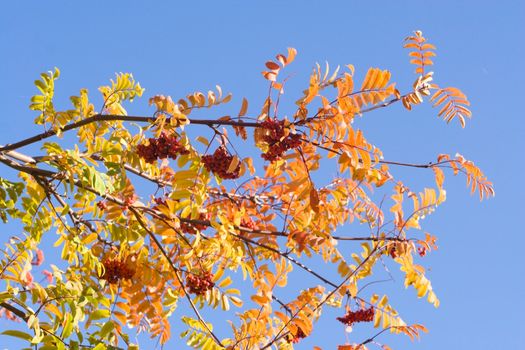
<point>65,210</point>
<point>99,314</point>
<point>106,329</point>
<point>48,347</point>
<point>18,334</point>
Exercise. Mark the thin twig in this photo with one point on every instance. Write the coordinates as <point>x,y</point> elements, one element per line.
<point>141,222</point>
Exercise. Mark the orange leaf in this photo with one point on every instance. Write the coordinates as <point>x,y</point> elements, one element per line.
<point>271,76</point>
<point>272,65</point>
<point>291,55</point>
<point>244,107</point>
<point>314,200</point>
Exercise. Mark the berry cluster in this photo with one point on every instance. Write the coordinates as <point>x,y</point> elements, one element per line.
<point>163,147</point>
<point>247,222</point>
<point>422,251</point>
<point>192,228</point>
<point>199,284</point>
<point>298,336</point>
<point>102,205</point>
<point>277,142</point>
<point>393,251</point>
<point>117,268</point>
<point>219,162</point>
<point>363,315</point>
<point>159,202</point>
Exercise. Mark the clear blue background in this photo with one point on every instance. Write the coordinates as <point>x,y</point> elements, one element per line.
<point>177,47</point>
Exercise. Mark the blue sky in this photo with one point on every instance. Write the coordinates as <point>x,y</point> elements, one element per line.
<point>175,48</point>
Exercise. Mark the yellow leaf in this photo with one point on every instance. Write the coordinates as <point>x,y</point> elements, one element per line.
<point>203,140</point>
<point>54,310</point>
<point>225,282</point>
<point>233,164</point>
<point>235,301</point>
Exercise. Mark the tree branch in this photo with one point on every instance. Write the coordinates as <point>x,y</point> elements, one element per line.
<point>112,117</point>
<point>175,271</point>
<point>280,334</point>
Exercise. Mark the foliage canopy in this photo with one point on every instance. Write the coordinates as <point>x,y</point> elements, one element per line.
<point>152,218</point>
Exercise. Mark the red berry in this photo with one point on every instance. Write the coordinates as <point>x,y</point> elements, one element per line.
<point>166,146</point>
<point>298,336</point>
<point>219,163</point>
<point>192,228</point>
<point>199,284</point>
<point>102,205</point>
<point>422,251</point>
<point>363,315</point>
<point>117,268</point>
<point>248,223</point>
<point>278,144</point>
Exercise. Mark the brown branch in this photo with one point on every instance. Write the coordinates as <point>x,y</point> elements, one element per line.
<point>112,117</point>
<point>254,198</point>
<point>41,172</point>
<point>23,316</point>
<point>371,238</point>
<point>412,165</point>
<point>26,169</point>
<point>287,257</point>
<point>280,334</point>
<point>175,271</point>
<point>363,111</point>
<point>381,105</point>
<point>36,171</point>
<point>17,312</point>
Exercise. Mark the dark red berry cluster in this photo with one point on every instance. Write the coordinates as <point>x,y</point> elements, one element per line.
<point>116,269</point>
<point>159,201</point>
<point>398,249</point>
<point>277,142</point>
<point>363,315</point>
<point>192,228</point>
<point>247,222</point>
<point>219,163</point>
<point>199,284</point>
<point>393,251</point>
<point>422,251</point>
<point>163,147</point>
<point>298,336</point>
<point>102,205</point>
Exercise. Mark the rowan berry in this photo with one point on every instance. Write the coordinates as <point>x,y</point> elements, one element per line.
<point>277,142</point>
<point>192,228</point>
<point>165,146</point>
<point>362,315</point>
<point>219,164</point>
<point>199,284</point>
<point>117,268</point>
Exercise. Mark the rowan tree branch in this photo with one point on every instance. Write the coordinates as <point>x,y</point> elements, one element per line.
<point>112,117</point>
<point>141,222</point>
<point>280,334</point>
<point>17,312</point>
